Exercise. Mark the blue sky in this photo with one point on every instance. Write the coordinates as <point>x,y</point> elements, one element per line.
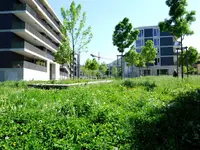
<point>104,15</point>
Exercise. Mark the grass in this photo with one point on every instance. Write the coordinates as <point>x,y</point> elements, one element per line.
<point>141,113</point>
<point>10,83</point>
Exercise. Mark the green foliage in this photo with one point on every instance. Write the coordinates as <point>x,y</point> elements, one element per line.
<point>141,62</point>
<point>149,52</point>
<point>191,56</point>
<point>191,70</point>
<point>180,19</point>
<point>74,28</point>
<point>132,57</point>
<point>114,71</point>
<point>88,63</point>
<point>152,113</point>
<point>63,54</point>
<point>124,36</point>
<point>91,66</point>
<point>94,65</point>
<point>132,84</point>
<point>103,68</point>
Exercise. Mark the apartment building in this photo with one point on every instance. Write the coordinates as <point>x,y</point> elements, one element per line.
<point>29,35</point>
<point>166,59</point>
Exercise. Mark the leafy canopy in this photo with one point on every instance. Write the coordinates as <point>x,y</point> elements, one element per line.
<point>103,68</point>
<point>124,35</point>
<point>91,64</point>
<point>62,56</point>
<point>114,71</point>
<point>94,65</point>
<point>180,19</point>
<point>192,56</point>
<point>132,57</point>
<point>149,52</point>
<point>73,26</point>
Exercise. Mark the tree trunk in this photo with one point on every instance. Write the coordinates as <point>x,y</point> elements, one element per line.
<point>78,65</point>
<point>70,65</point>
<point>132,71</point>
<point>139,71</point>
<point>182,57</point>
<point>122,71</point>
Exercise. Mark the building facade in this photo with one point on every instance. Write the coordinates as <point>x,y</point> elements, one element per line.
<point>30,32</point>
<point>166,59</point>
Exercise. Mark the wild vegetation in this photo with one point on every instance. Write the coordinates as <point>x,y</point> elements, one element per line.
<point>141,113</point>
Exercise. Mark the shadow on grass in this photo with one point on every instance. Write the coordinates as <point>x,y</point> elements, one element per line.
<point>149,85</point>
<point>176,128</point>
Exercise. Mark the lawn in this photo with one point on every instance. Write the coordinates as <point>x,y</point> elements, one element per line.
<point>141,113</point>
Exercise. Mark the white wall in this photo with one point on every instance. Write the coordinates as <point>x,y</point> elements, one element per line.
<point>30,74</point>
<point>57,69</point>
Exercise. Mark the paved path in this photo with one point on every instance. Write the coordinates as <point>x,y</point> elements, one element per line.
<point>61,86</point>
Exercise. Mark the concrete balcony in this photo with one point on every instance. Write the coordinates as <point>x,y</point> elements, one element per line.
<point>47,13</point>
<point>44,26</point>
<point>26,49</point>
<point>28,65</point>
<point>28,33</point>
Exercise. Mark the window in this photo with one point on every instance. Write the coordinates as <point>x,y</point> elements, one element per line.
<point>138,50</point>
<point>157,61</point>
<point>158,51</point>
<point>156,42</point>
<point>139,43</point>
<point>156,32</point>
<point>141,33</point>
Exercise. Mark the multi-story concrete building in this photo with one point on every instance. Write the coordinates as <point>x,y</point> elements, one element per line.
<point>29,35</point>
<point>166,59</point>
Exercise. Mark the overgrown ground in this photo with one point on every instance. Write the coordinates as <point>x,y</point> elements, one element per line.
<point>145,113</point>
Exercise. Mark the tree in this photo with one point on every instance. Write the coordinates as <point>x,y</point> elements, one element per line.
<point>179,22</point>
<point>62,56</point>
<point>94,65</point>
<point>103,68</point>
<point>132,58</point>
<point>123,36</point>
<point>141,62</point>
<point>88,66</point>
<point>149,53</point>
<point>114,71</point>
<point>73,26</point>
<point>189,58</point>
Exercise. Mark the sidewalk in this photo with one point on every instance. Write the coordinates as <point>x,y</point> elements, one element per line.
<point>62,86</point>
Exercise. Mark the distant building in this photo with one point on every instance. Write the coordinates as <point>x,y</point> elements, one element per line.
<point>30,32</point>
<point>166,59</point>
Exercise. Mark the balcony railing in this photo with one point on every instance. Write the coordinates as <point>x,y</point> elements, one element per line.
<point>28,65</point>
<point>36,33</point>
<point>34,49</point>
<point>50,56</point>
<point>34,14</point>
<point>47,13</point>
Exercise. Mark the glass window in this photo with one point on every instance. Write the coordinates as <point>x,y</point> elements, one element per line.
<point>139,43</point>
<point>138,50</point>
<point>157,61</point>
<point>156,32</point>
<point>156,42</point>
<point>141,33</point>
<point>158,51</point>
